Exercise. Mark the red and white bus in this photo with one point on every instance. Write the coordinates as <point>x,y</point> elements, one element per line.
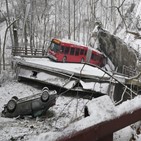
<point>72,51</point>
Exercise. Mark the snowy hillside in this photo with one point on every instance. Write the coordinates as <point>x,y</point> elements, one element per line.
<point>58,117</point>
<point>53,19</point>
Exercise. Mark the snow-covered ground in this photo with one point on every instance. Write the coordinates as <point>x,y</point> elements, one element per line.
<point>66,111</point>
<point>100,109</point>
<point>25,128</point>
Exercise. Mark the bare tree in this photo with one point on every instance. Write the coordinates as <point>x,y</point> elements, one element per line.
<point>0,55</point>
<point>8,15</point>
<point>55,18</point>
<point>31,34</point>
<point>69,20</point>
<point>121,15</point>
<point>74,5</point>
<point>60,18</point>
<point>3,53</point>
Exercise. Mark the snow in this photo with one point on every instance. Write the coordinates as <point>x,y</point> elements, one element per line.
<point>129,105</point>
<point>47,78</point>
<point>101,109</point>
<point>64,113</point>
<point>64,109</point>
<point>123,134</point>
<point>79,69</point>
<point>138,10</point>
<point>67,109</point>
<point>95,86</point>
<point>72,42</point>
<point>69,67</point>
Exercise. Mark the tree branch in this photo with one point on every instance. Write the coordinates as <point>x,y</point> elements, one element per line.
<point>3,55</point>
<point>136,34</point>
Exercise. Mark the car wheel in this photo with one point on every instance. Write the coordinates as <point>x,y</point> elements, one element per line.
<point>64,59</point>
<point>11,105</point>
<point>15,97</point>
<point>45,88</point>
<point>45,96</point>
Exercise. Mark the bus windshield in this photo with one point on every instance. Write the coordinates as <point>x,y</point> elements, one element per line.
<point>54,47</point>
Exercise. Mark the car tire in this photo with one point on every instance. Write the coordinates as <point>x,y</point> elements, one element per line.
<point>15,98</point>
<point>45,95</point>
<point>45,88</point>
<point>11,105</point>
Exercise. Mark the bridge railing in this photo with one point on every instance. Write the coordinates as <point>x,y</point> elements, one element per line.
<point>104,130</point>
<point>22,51</point>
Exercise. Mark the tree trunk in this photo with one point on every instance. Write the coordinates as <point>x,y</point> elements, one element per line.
<point>55,18</point>
<point>7,8</point>
<point>0,56</point>
<point>69,20</point>
<point>74,19</point>
<point>16,43</point>
<point>4,42</point>
<point>31,26</point>
<point>25,39</point>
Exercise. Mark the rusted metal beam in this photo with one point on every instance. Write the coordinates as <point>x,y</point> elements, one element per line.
<point>104,130</point>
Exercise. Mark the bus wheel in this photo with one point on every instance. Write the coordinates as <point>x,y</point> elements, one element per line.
<point>64,59</point>
<point>82,60</point>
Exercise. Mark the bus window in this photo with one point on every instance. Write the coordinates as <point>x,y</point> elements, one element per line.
<point>62,49</point>
<point>67,50</point>
<point>92,57</point>
<point>85,52</point>
<point>72,51</point>
<point>54,47</point>
<point>77,52</point>
<point>81,51</point>
<point>95,57</point>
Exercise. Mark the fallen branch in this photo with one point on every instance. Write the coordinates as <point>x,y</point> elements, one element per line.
<point>136,34</point>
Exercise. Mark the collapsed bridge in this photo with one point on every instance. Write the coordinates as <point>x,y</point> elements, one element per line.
<point>80,77</point>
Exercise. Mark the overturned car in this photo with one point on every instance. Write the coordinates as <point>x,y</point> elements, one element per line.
<point>34,105</point>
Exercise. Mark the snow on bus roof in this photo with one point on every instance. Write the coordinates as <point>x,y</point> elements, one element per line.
<point>78,43</point>
<point>72,42</point>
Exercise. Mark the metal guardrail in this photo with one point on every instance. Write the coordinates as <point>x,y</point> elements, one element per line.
<point>129,71</point>
<point>22,51</point>
<point>104,130</point>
